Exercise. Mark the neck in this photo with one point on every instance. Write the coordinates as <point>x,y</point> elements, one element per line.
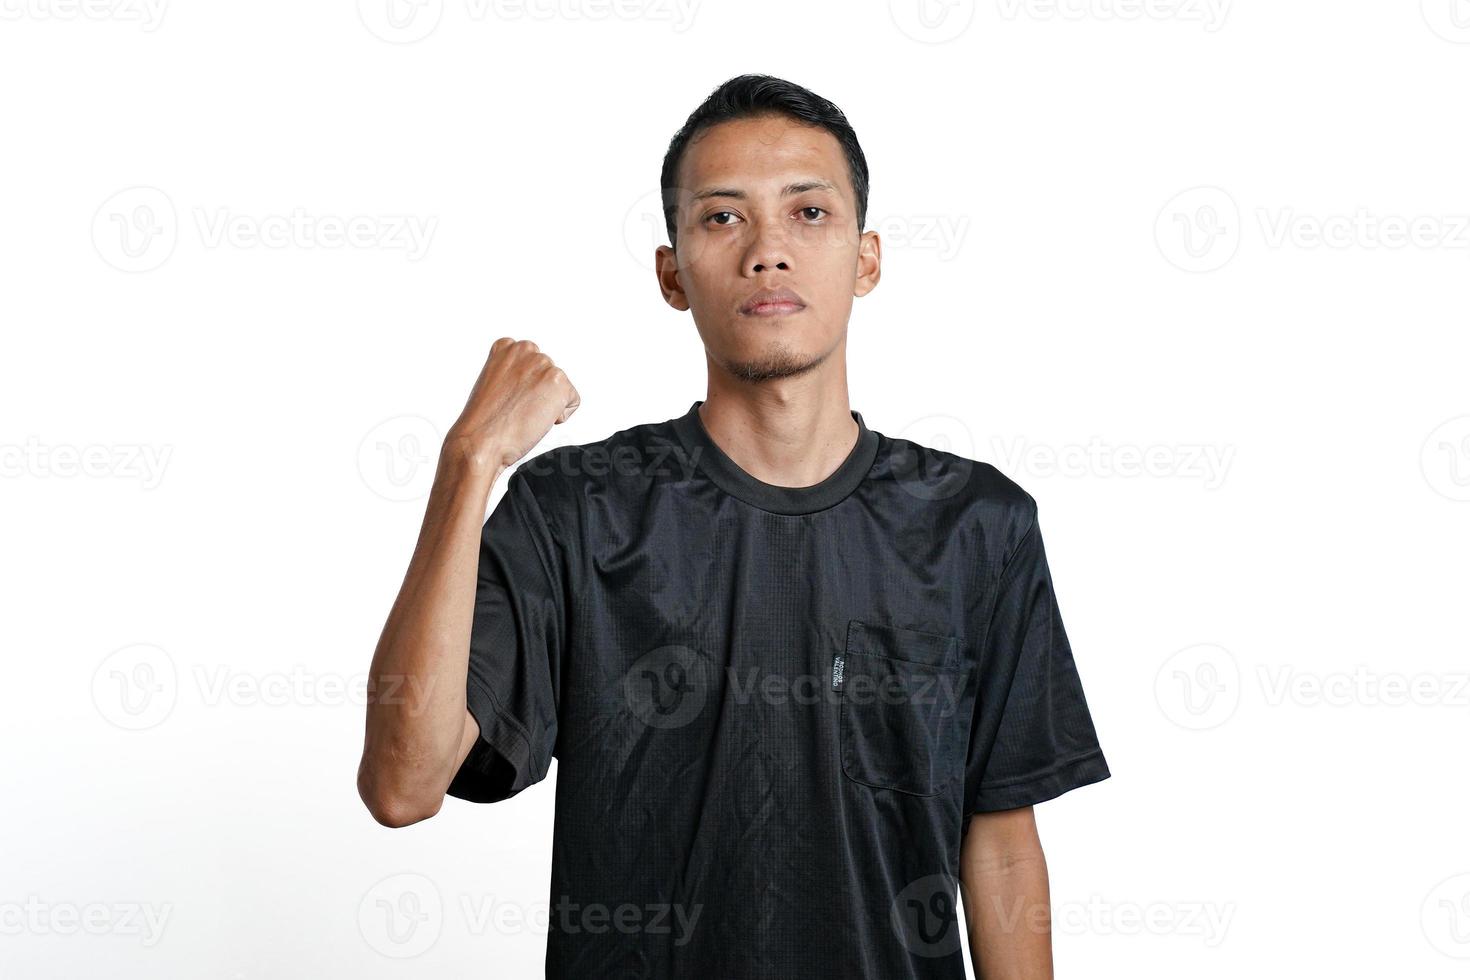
<point>789,433</point>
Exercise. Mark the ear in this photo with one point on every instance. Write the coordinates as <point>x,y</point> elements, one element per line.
<point>666,268</point>
<point>869,264</point>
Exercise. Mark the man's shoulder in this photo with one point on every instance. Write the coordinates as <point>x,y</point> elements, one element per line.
<point>943,476</point>
<point>961,494</point>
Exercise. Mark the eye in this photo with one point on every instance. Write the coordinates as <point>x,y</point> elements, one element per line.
<point>712,217</point>
<point>814,208</point>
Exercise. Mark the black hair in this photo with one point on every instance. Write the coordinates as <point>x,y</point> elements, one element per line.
<point>749,96</point>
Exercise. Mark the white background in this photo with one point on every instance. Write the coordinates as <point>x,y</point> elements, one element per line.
<point>1227,238</point>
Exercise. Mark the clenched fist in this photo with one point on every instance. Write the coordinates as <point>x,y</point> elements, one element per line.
<point>519,395</point>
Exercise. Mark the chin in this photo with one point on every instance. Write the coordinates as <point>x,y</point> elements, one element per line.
<point>776,358</point>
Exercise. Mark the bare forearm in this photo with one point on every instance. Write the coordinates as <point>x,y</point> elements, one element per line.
<point>1010,929</point>
<point>1007,897</point>
<point>416,712</point>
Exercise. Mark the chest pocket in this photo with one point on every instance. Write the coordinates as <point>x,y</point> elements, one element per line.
<point>901,727</point>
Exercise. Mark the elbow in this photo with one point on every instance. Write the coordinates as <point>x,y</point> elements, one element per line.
<point>393,809</point>
<point>393,813</point>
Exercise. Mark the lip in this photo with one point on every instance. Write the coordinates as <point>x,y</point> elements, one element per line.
<point>774,309</point>
<point>772,302</point>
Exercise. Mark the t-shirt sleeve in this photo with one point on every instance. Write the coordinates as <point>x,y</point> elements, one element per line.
<point>1032,738</point>
<point>516,644</point>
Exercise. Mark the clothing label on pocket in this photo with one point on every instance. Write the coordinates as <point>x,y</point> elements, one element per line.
<point>837,667</point>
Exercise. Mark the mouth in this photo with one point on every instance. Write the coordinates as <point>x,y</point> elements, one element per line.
<point>773,309</point>
<point>772,302</point>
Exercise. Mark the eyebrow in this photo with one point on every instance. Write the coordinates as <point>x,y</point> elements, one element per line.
<point>790,190</point>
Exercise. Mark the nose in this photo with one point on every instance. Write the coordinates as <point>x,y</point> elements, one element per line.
<point>768,250</point>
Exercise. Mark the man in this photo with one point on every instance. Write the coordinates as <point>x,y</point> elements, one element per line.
<point>803,681</point>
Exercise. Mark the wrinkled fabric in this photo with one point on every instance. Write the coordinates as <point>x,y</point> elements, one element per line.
<point>772,708</point>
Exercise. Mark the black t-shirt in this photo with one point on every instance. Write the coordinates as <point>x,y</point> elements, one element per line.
<point>773,708</point>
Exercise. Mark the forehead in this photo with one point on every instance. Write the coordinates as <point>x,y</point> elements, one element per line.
<point>761,153</point>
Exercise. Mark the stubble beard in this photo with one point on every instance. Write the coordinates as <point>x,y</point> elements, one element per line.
<point>778,360</point>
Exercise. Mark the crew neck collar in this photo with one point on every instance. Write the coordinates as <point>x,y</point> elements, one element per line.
<point>724,471</point>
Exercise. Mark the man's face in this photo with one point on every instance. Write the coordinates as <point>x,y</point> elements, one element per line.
<point>765,205</point>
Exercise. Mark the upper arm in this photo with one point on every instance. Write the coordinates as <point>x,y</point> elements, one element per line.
<point>1032,737</point>
<point>518,636</point>
<point>997,839</point>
